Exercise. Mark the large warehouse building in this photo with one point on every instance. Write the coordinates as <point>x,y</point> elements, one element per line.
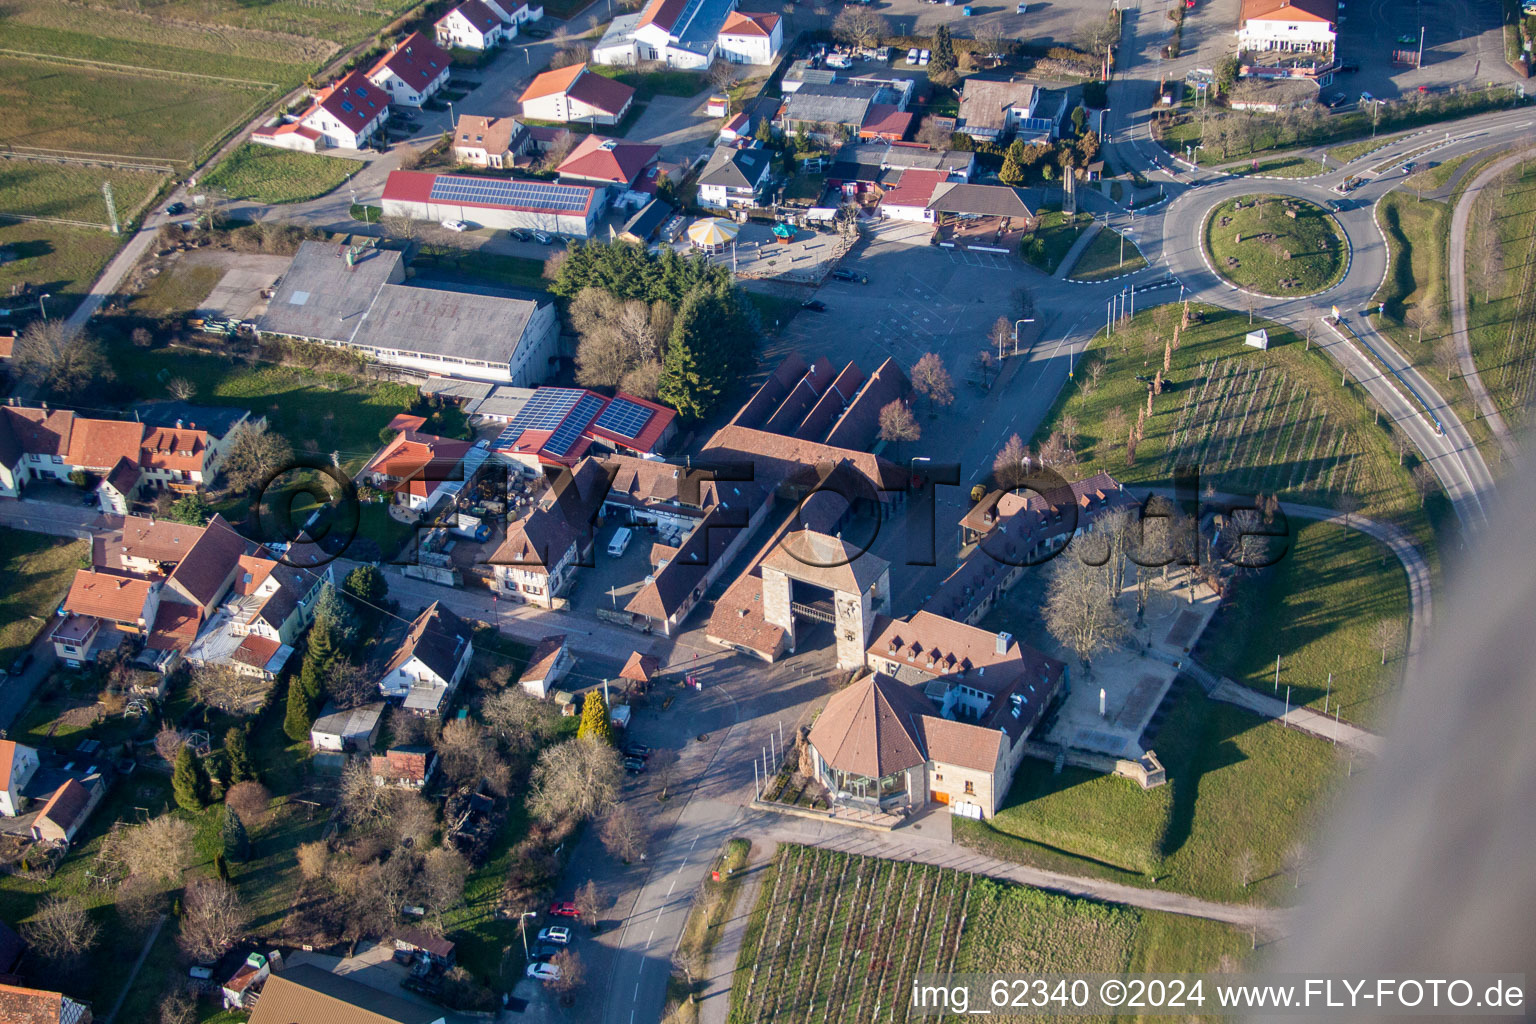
<point>493,202</point>
<point>359,300</point>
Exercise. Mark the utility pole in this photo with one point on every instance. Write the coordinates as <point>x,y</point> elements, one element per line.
<point>1420,64</point>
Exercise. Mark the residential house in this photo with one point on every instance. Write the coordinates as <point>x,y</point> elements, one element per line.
<point>993,110</point>
<point>352,729</point>
<point>490,141</point>
<point>609,163</point>
<point>549,427</point>
<point>734,177</point>
<point>472,25</point>
<point>747,38</point>
<point>412,71</point>
<point>683,572</point>
<point>362,302</point>
<point>305,993</point>
<point>348,113</point>
<point>548,664</point>
<point>38,1006</point>
<point>63,813</point>
<point>426,668</point>
<point>125,604</point>
<point>424,944</point>
<point>537,561</point>
<point>576,94</point>
<point>18,762</point>
<point>683,34</point>
<point>406,767</point>
<point>418,468</point>
<point>513,12</point>
<point>1309,26</point>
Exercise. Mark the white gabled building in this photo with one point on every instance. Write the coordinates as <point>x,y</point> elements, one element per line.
<point>691,34</point>
<point>750,38</point>
<point>348,113</point>
<point>473,26</point>
<point>430,662</point>
<point>1288,25</point>
<point>514,13</point>
<point>412,70</point>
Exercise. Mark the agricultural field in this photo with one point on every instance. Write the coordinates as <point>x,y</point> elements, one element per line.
<point>53,106</point>
<point>1271,421</point>
<point>1101,258</point>
<point>1275,245</point>
<point>56,259</point>
<point>1501,289</point>
<point>839,936</point>
<point>269,175</point>
<point>73,192</point>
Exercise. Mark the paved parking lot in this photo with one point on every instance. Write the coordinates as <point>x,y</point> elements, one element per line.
<point>1463,45</point>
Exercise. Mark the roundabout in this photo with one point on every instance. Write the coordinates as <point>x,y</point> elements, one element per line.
<point>1276,246</point>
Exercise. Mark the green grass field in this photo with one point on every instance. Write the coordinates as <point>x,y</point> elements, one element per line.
<point>1101,258</point>
<point>1048,245</point>
<point>1278,167</point>
<point>1341,155</point>
<point>59,260</point>
<point>269,175</point>
<point>35,573</point>
<point>840,936</point>
<point>1277,254</point>
<point>495,268</point>
<point>92,110</point>
<point>663,82</point>
<point>177,289</point>
<point>72,192</point>
<point>1501,307</point>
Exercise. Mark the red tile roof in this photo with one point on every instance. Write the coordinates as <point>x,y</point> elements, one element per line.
<point>170,448</point>
<point>214,557</point>
<point>33,1006</point>
<point>107,596</point>
<point>416,60</point>
<point>353,100</point>
<point>915,188</point>
<point>744,23</point>
<point>40,432</point>
<point>477,14</point>
<point>419,462</point>
<point>871,728</point>
<point>408,763</point>
<point>66,808</point>
<point>1289,10</point>
<point>98,444</point>
<point>256,651</point>
<point>551,83</point>
<point>542,661</point>
<point>175,627</point>
<point>886,121</point>
<point>124,475</point>
<point>605,94</point>
<point>641,668</point>
<point>608,160</point>
<point>663,13</point>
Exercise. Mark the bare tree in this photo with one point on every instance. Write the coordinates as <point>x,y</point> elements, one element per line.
<point>623,833</point>
<point>1011,465</point>
<point>411,820</point>
<point>1056,452</point>
<point>168,743</point>
<point>220,686</point>
<point>401,227</point>
<point>516,716</point>
<point>362,800</point>
<point>468,756</point>
<point>443,874</point>
<point>158,849</point>
<point>212,918</point>
<point>1423,481</point>
<point>572,973</point>
<point>897,423</point>
<point>577,779</point>
<point>251,800</point>
<point>48,356</point>
<point>1296,858</point>
<point>560,146</point>
<point>181,388</point>
<point>990,39</point>
<point>61,931</point>
<point>255,455</point>
<point>1446,360</point>
<point>350,685</point>
<point>139,901</point>
<point>722,74</point>
<point>589,903</point>
<point>1080,608</point>
<point>1487,254</point>
<point>314,859</point>
<point>931,380</point>
<point>933,133</point>
<point>1245,864</point>
<point>177,1007</point>
<point>860,26</point>
<point>1114,426</point>
<point>1001,334</point>
<point>1390,635</point>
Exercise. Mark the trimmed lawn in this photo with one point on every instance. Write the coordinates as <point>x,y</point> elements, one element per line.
<point>662,82</point>
<point>334,411</point>
<point>59,260</point>
<point>1278,167</point>
<point>129,114</point>
<point>71,191</point>
<point>1236,783</point>
<point>1341,155</point>
<point>1262,248</point>
<point>494,268</point>
<point>1500,307</point>
<point>270,175</point>
<point>1317,609</point>
<point>1437,176</point>
<point>1045,248</point>
<point>1101,258</point>
<point>35,573</point>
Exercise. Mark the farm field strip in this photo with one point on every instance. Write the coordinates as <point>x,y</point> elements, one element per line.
<point>801,943</point>
<point>825,947</point>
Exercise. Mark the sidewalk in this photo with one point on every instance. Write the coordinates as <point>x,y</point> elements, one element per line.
<point>715,1003</point>
<point>1083,241</point>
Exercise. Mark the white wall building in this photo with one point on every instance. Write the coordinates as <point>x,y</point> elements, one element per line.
<point>472,26</point>
<point>1288,25</point>
<point>412,70</point>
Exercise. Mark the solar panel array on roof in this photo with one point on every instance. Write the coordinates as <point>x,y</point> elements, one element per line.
<point>448,188</point>
<point>544,411</point>
<point>624,418</point>
<point>566,434</point>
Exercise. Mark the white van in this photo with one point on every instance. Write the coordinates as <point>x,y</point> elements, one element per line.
<point>619,542</point>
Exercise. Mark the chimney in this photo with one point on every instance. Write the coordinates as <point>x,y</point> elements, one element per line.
<point>178,424</point>
<point>1003,640</point>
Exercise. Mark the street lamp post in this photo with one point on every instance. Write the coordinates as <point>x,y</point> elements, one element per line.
<point>522,931</point>
<point>41,299</point>
<point>1025,320</point>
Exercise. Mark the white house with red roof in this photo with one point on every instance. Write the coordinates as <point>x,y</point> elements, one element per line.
<point>412,71</point>
<point>559,426</point>
<point>417,468</point>
<point>1289,25</point>
<point>908,194</point>
<point>750,38</point>
<point>514,13</point>
<point>473,25</point>
<point>613,163</point>
<point>345,115</point>
<point>502,203</point>
<point>576,94</point>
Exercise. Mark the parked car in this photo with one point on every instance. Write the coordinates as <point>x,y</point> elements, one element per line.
<point>814,305</point>
<point>20,664</point>
<point>1021,9</point>
<point>912,55</point>
<point>639,750</point>
<point>455,225</point>
<point>520,235</point>
<point>1333,101</point>
<point>634,765</point>
<point>543,972</point>
<point>559,934</point>
<point>176,208</point>
<point>1366,97</point>
<point>844,274</point>
<point>923,56</point>
<point>563,908</point>
<point>542,238</point>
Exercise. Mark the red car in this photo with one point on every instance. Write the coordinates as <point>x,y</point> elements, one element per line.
<point>563,908</point>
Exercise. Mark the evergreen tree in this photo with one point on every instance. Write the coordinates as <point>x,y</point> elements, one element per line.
<point>237,842</point>
<point>221,865</point>
<point>367,582</point>
<point>1079,119</point>
<point>188,781</point>
<point>241,767</point>
<point>692,377</point>
<point>595,724</point>
<point>942,63</point>
<point>192,509</point>
<point>296,719</point>
<point>1013,165</point>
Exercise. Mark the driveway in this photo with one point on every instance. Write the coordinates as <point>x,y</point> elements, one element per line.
<point>678,125</point>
